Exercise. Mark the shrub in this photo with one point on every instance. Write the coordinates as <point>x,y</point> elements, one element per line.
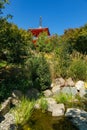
<point>78,69</point>
<point>40,73</point>
<point>23,111</point>
<point>62,57</point>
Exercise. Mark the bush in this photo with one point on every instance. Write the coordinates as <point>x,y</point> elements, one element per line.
<point>78,69</point>
<point>39,72</point>
<point>62,57</point>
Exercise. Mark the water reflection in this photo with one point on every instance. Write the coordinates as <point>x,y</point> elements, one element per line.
<point>44,121</point>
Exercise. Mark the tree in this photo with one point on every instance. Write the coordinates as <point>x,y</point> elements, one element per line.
<point>14,42</point>
<point>2,5</point>
<point>38,68</point>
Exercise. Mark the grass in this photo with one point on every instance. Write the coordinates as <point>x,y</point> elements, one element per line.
<point>23,111</point>
<point>71,101</point>
<point>63,98</point>
<point>42,103</point>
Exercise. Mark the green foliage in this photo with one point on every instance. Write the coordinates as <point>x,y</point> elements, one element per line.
<point>2,4</point>
<point>78,69</point>
<point>16,46</point>
<point>11,79</point>
<point>44,43</point>
<point>39,72</point>
<point>63,98</point>
<point>81,43</point>
<point>62,57</point>
<point>43,104</point>
<point>23,111</point>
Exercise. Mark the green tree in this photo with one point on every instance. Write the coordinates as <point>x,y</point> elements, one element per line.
<point>39,72</point>
<point>15,43</point>
<point>2,5</point>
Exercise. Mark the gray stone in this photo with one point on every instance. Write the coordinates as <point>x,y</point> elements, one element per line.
<point>47,93</point>
<point>58,110</point>
<point>69,90</point>
<point>8,123</point>
<point>78,117</point>
<point>56,89</point>
<point>80,84</point>
<point>50,102</point>
<point>5,107</point>
<point>80,88</point>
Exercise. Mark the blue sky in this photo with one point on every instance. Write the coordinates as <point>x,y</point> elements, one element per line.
<point>58,15</point>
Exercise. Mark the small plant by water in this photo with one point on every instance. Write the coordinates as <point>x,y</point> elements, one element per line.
<point>63,98</point>
<point>23,111</point>
<point>43,104</point>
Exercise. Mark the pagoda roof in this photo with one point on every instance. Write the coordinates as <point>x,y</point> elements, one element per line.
<point>37,31</point>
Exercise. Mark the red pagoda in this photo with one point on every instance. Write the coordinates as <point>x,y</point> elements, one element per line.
<point>36,31</point>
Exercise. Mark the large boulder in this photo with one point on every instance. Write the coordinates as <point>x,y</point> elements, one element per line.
<point>58,110</point>
<point>69,90</point>
<point>78,117</point>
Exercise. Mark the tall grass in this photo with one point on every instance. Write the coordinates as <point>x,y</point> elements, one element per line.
<point>63,98</point>
<point>43,104</point>
<point>23,111</point>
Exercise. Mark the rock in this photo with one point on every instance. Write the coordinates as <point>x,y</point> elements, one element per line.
<point>8,123</point>
<point>17,94</point>
<point>69,82</point>
<point>56,90</point>
<point>60,82</point>
<point>5,106</point>
<point>32,93</point>
<point>47,93</point>
<point>58,110</point>
<point>15,101</point>
<point>80,86</point>
<point>37,106</point>
<point>69,90</point>
<point>52,85</point>
<point>78,117</point>
<point>51,103</point>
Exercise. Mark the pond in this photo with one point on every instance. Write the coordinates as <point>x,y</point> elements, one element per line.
<point>44,121</point>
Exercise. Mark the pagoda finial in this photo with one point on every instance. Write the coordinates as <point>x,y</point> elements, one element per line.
<point>40,22</point>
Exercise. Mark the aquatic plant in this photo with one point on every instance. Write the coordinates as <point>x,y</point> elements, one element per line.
<point>23,111</point>
<point>43,104</point>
